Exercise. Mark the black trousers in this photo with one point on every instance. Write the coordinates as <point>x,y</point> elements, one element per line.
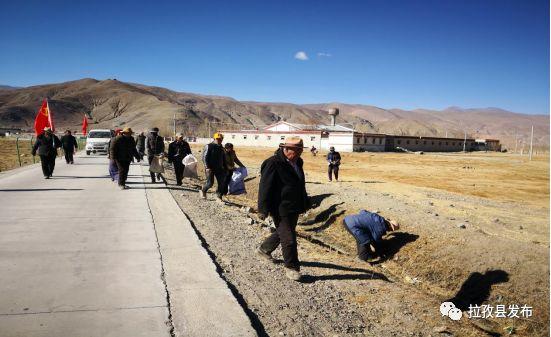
<point>48,164</point>
<point>285,235</point>
<point>178,170</point>
<point>68,156</point>
<point>227,180</point>
<point>333,169</point>
<point>123,167</point>
<point>220,178</point>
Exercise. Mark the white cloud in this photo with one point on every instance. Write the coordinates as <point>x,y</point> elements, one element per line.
<point>324,55</point>
<point>300,55</point>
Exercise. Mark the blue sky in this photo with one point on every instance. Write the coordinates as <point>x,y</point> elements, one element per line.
<point>392,54</point>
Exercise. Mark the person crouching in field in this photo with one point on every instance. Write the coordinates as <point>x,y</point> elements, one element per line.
<point>368,229</point>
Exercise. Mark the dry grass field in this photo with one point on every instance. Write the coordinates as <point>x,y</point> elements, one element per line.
<point>8,153</point>
<point>475,226</point>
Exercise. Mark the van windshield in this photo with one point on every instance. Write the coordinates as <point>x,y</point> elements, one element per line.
<point>99,134</point>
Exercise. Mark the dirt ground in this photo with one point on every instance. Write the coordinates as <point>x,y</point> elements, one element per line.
<point>8,153</point>
<point>475,228</point>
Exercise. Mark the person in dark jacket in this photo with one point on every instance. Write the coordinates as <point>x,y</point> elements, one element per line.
<point>214,160</point>
<point>140,144</point>
<point>282,194</point>
<point>113,169</point>
<point>122,150</point>
<point>368,229</point>
<point>155,145</point>
<point>333,163</point>
<point>177,151</point>
<point>46,145</point>
<point>69,144</point>
<point>231,161</point>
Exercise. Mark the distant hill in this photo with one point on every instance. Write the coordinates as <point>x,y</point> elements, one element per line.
<point>110,103</point>
<point>7,87</point>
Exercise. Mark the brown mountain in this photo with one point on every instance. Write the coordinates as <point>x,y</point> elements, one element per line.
<point>112,103</point>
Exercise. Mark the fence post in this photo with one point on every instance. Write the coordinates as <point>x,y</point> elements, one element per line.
<point>17,147</point>
<point>32,148</point>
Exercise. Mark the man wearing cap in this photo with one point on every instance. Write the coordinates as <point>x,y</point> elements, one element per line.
<point>282,194</point>
<point>214,160</point>
<point>177,151</point>
<point>122,151</point>
<point>155,146</point>
<point>368,228</point>
<point>69,144</point>
<point>47,144</point>
<point>333,163</point>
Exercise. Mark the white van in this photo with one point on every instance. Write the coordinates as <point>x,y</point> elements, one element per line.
<point>97,141</point>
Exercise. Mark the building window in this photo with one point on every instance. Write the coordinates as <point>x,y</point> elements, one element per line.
<point>282,137</point>
<point>358,140</point>
<point>424,142</point>
<point>399,142</point>
<point>380,140</point>
<point>432,143</point>
<point>446,143</point>
<point>453,143</point>
<point>439,143</point>
<point>244,136</point>
<point>312,138</point>
<point>416,142</point>
<point>373,140</point>
<point>407,142</point>
<point>255,137</point>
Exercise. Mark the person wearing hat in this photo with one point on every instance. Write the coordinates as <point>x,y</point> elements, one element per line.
<point>122,151</point>
<point>140,144</point>
<point>214,159</point>
<point>46,145</point>
<point>333,163</point>
<point>69,144</point>
<point>368,228</point>
<point>155,146</point>
<point>282,194</point>
<point>177,151</point>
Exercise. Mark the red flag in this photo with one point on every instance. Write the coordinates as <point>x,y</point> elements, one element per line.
<point>43,118</point>
<point>84,125</point>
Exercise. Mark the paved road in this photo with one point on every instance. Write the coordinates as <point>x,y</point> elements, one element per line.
<point>79,257</point>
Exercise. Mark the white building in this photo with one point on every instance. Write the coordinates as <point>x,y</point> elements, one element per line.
<point>321,136</point>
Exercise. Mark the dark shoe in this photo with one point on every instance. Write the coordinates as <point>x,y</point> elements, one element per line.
<point>262,254</point>
<point>123,187</point>
<point>46,177</point>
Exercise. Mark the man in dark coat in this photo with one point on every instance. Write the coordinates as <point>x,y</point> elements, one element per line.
<point>333,163</point>
<point>122,150</point>
<point>155,146</point>
<point>47,144</point>
<point>214,159</point>
<point>69,144</point>
<point>282,194</point>
<point>368,229</point>
<point>231,161</point>
<point>140,144</point>
<point>178,150</point>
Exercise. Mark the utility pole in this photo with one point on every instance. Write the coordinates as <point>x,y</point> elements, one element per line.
<point>465,141</point>
<point>531,141</point>
<point>174,124</point>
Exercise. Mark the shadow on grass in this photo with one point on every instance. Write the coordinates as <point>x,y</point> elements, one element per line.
<point>477,287</point>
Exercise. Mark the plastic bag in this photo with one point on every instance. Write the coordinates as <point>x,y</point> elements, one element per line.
<point>190,166</point>
<point>237,182</point>
<point>156,165</point>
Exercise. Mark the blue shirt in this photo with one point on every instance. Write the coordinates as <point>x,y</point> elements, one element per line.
<point>366,226</point>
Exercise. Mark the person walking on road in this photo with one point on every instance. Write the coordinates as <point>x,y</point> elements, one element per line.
<point>231,161</point>
<point>122,151</point>
<point>333,163</point>
<point>368,229</point>
<point>46,145</point>
<point>140,144</point>
<point>214,160</point>
<point>155,147</point>
<point>113,169</point>
<point>282,194</point>
<point>70,146</point>
<point>177,151</point>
